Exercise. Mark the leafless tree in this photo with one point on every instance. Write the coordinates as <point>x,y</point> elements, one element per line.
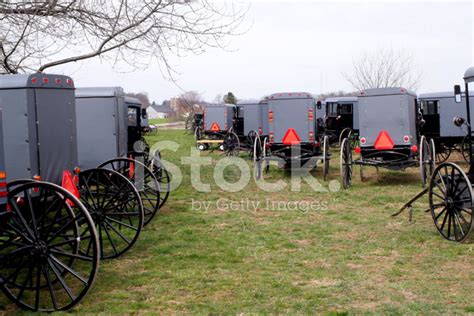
<point>142,96</point>
<point>36,35</point>
<point>187,103</point>
<point>384,68</point>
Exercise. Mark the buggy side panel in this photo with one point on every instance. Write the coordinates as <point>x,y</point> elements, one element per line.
<point>56,126</point>
<point>395,114</point>
<point>291,114</point>
<point>252,118</point>
<point>97,131</point>
<point>355,115</point>
<point>121,111</point>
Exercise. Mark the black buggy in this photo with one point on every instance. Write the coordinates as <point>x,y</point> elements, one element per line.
<point>438,110</point>
<point>389,135</point>
<point>341,119</point>
<point>250,127</point>
<point>450,192</point>
<point>113,121</point>
<point>293,138</point>
<point>53,234</point>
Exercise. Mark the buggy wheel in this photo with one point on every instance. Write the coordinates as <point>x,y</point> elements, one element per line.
<point>425,161</point>
<point>326,157</point>
<point>144,181</point>
<point>443,153</point>
<point>451,202</point>
<point>432,156</point>
<point>41,238</point>
<point>257,149</point>
<point>465,149</point>
<point>258,169</point>
<point>265,164</point>
<point>251,138</point>
<point>346,164</point>
<point>116,208</point>
<point>198,133</point>
<point>201,146</point>
<point>163,178</point>
<point>346,133</point>
<point>231,144</point>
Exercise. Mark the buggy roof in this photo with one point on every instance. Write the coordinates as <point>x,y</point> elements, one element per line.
<point>341,99</point>
<point>133,101</point>
<point>469,75</point>
<point>385,91</point>
<point>441,95</point>
<point>37,81</point>
<point>99,92</point>
<point>216,105</point>
<point>248,102</point>
<point>290,95</point>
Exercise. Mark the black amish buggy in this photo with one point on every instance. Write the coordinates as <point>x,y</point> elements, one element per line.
<point>250,126</point>
<point>389,135</point>
<point>438,110</point>
<point>218,119</point>
<point>450,191</point>
<point>341,119</point>
<point>54,233</point>
<point>108,125</point>
<point>293,138</point>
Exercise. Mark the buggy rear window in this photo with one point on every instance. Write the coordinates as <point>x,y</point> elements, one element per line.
<point>132,117</point>
<point>331,109</point>
<point>430,107</point>
<point>345,108</point>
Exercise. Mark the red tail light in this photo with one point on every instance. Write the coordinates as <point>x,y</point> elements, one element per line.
<point>357,150</point>
<point>69,82</point>
<point>363,140</point>
<point>267,145</point>
<point>414,148</point>
<point>270,116</point>
<point>311,136</point>
<point>58,81</point>
<point>406,139</point>
<point>310,115</point>
<point>316,144</point>
<point>260,131</point>
<point>34,80</point>
<point>45,80</point>
<point>3,184</point>
<point>131,171</point>
<point>271,137</point>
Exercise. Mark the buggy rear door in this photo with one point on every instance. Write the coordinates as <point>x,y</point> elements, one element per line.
<point>292,114</point>
<point>56,124</point>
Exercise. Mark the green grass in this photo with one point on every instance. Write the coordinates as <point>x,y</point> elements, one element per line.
<point>349,258</point>
<point>162,120</point>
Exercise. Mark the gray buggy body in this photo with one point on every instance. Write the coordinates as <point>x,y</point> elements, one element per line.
<point>443,106</point>
<point>218,117</point>
<point>3,190</point>
<point>39,126</point>
<point>291,116</point>
<point>390,110</point>
<point>255,117</point>
<point>101,125</point>
<point>132,105</point>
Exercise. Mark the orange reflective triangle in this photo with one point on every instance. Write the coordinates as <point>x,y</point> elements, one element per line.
<point>215,127</point>
<point>383,141</point>
<point>69,184</point>
<point>291,137</point>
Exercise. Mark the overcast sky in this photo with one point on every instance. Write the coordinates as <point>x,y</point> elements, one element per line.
<point>306,45</point>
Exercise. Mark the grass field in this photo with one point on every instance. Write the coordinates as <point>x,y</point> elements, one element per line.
<point>350,257</point>
<point>161,120</point>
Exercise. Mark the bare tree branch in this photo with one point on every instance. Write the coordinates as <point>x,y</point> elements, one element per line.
<point>43,34</point>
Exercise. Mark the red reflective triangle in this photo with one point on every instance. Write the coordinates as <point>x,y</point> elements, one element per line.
<point>69,184</point>
<point>215,127</point>
<point>383,141</point>
<point>291,137</point>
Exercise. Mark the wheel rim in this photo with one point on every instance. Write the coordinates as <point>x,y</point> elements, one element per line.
<point>465,149</point>
<point>40,244</point>
<point>257,149</point>
<point>346,164</point>
<point>451,204</point>
<point>231,144</point>
<point>116,208</point>
<point>164,180</point>
<point>326,158</point>
<point>423,160</point>
<point>144,181</point>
